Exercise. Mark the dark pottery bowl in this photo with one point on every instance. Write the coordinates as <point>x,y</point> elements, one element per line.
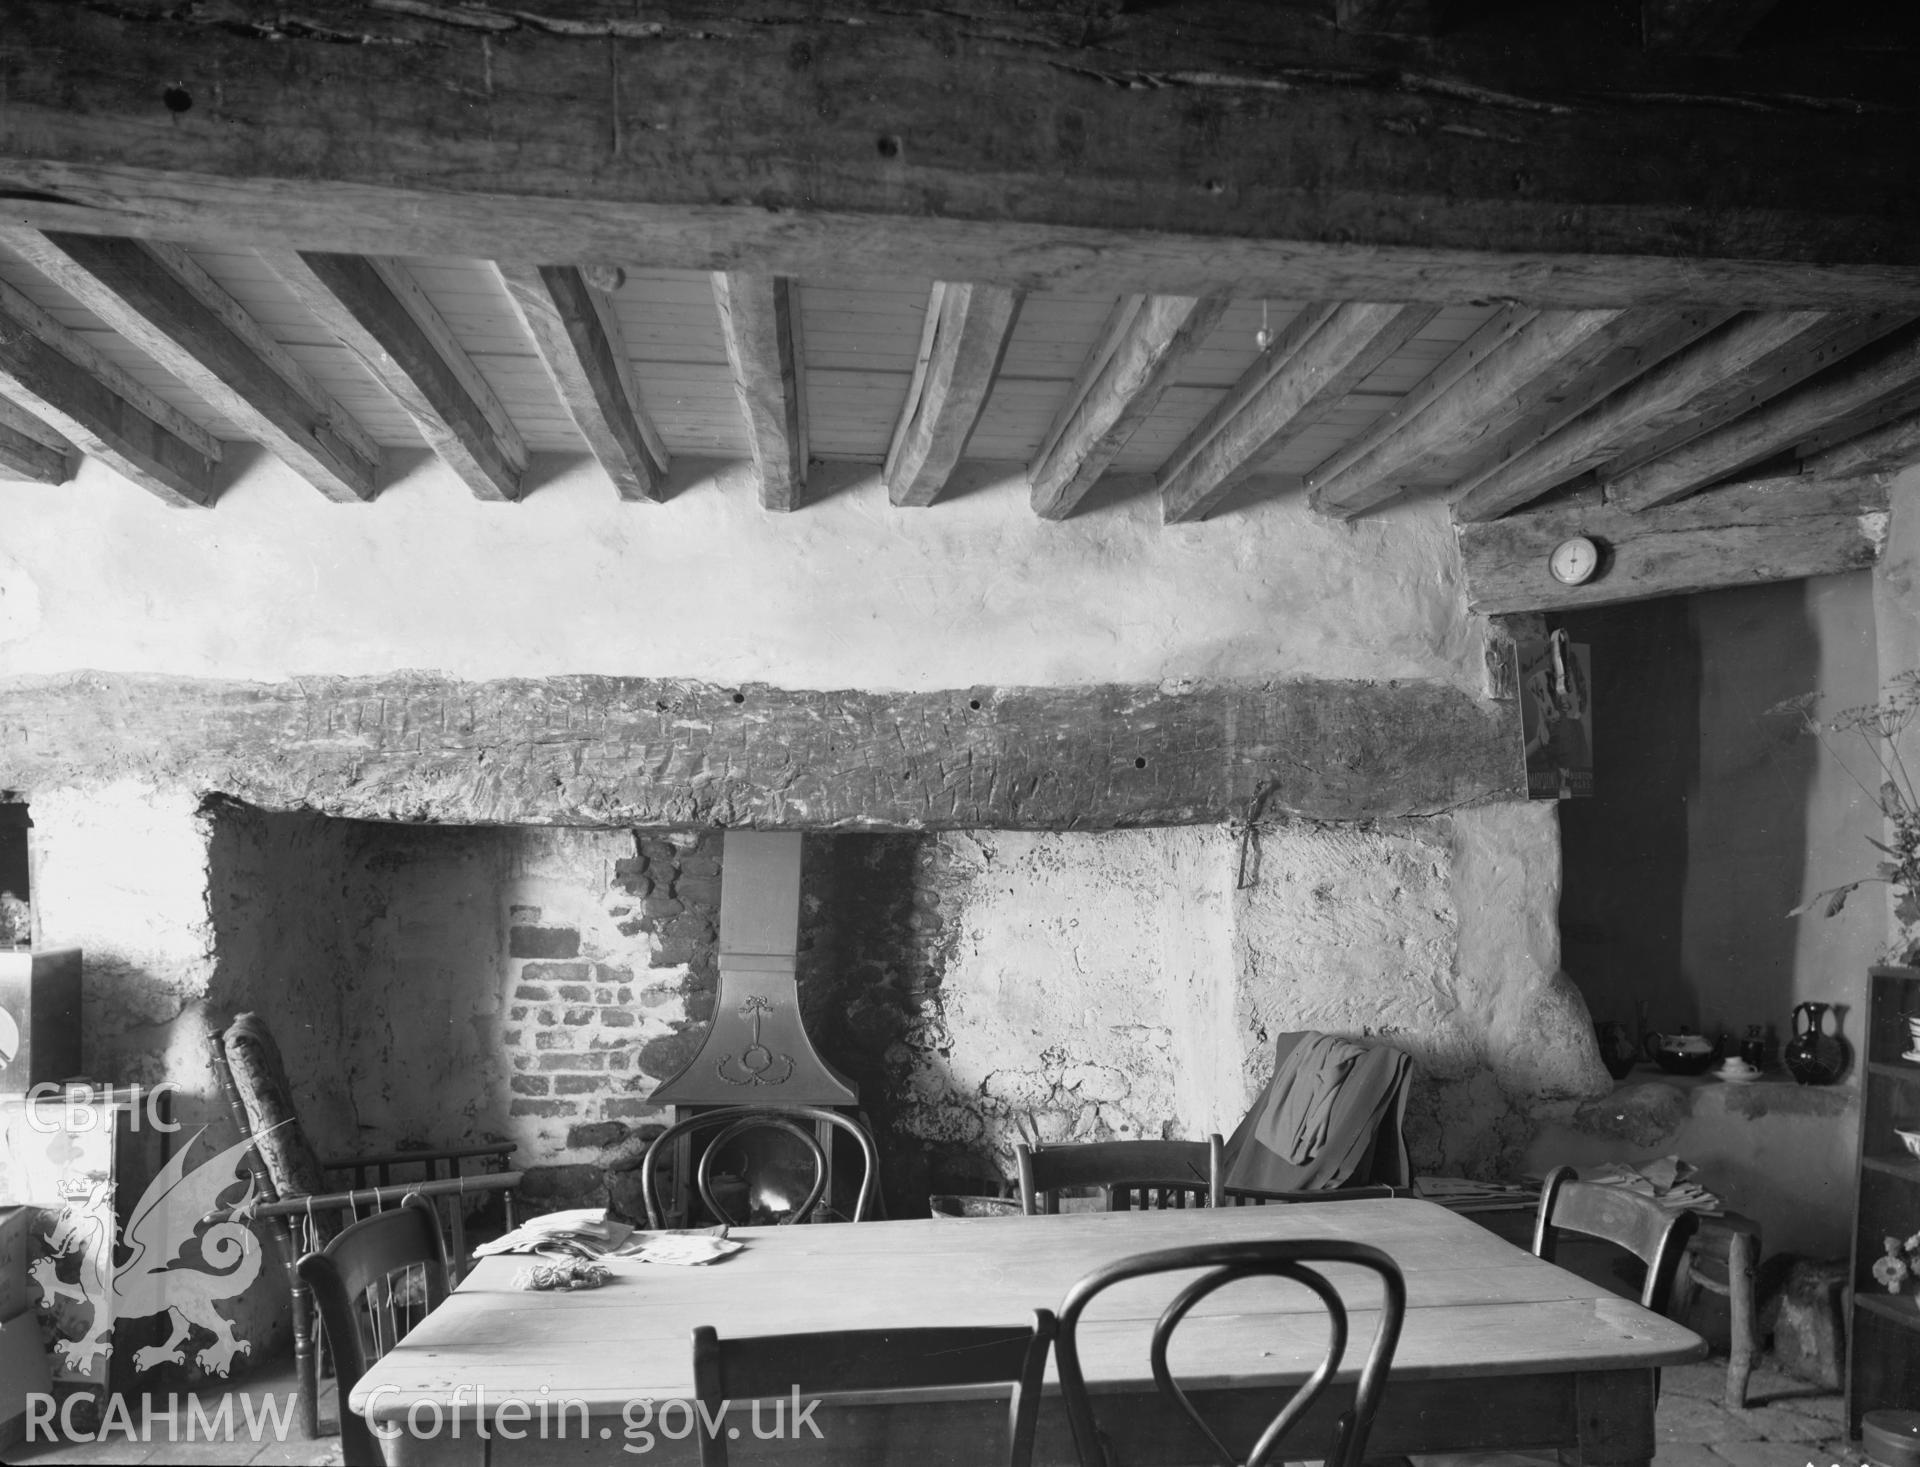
<point>1675,1063</point>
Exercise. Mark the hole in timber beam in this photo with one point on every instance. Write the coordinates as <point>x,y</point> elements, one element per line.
<point>1141,762</point>
<point>177,98</point>
<point>889,147</point>
<point>974,704</point>
<point>739,697</point>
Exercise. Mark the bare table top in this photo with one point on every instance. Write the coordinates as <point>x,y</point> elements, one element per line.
<point>1477,1306</point>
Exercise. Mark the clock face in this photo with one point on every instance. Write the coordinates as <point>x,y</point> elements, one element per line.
<point>1574,561</point>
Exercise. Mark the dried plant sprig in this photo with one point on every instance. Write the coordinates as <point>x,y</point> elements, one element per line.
<point>1878,726</point>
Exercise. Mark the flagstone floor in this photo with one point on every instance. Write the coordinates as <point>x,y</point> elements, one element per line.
<point>1788,1424</point>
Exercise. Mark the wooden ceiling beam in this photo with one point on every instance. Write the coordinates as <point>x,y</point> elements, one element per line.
<point>1388,17</point>
<point>156,296</point>
<point>377,311</point>
<point>1772,529</point>
<point>1338,166</point>
<point>1889,449</point>
<point>1700,27</point>
<point>1146,344</point>
<point>30,451</point>
<point>578,337</point>
<point>1291,386</point>
<point>1872,387</point>
<point>1649,405</point>
<point>1832,341</point>
<point>760,319</point>
<point>1512,347</point>
<point>964,338</point>
<point>58,377</point>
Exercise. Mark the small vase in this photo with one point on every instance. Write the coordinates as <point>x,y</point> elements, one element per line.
<point>1618,1052</point>
<point>1814,1057</point>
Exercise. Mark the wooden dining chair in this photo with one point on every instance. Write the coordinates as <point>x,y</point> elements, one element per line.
<point>1133,1174</point>
<point>1653,1234</point>
<point>1299,1260</point>
<point>363,1311</point>
<point>749,1368</point>
<point>301,1200</point>
<point>733,1122</point>
<point>1627,1220</point>
<point>1258,1197</point>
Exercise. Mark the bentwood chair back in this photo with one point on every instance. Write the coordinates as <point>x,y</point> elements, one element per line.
<point>776,1367</point>
<point>1134,1174</point>
<point>736,1121</point>
<point>1299,1260</point>
<point>1654,1235</point>
<point>360,1306</point>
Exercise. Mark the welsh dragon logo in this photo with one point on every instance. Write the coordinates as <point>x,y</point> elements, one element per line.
<point>156,1277</point>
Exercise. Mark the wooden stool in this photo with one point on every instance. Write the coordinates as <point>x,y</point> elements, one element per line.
<point>1732,1240</point>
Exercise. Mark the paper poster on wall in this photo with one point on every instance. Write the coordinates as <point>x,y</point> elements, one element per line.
<point>1556,716</point>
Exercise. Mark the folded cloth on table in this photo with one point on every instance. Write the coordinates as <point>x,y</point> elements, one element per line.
<point>676,1247</point>
<point>583,1232</point>
<point>1667,1181</point>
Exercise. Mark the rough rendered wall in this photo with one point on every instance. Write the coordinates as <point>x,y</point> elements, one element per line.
<point>849,593</point>
<point>1131,983</point>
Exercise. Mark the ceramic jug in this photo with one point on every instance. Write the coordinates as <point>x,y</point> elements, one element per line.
<point>1814,1057</point>
<point>1618,1052</point>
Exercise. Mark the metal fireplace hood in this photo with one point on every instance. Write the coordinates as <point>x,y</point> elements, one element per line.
<point>757,1051</point>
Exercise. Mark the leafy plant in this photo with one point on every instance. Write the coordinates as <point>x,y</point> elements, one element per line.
<point>1878,727</point>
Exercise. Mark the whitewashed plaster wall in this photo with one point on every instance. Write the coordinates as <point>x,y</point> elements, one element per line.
<point>849,592</point>
<point>1131,983</point>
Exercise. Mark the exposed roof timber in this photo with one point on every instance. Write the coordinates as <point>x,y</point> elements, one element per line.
<point>1834,340</point>
<point>1511,347</point>
<point>760,319</point>
<point>1700,26</point>
<point>1649,405</point>
<point>1279,398</point>
<point>1145,345</point>
<point>158,298</point>
<point>53,374</point>
<point>1398,196</point>
<point>1879,384</point>
<point>965,337</point>
<point>1772,529</point>
<point>1887,449</point>
<point>1387,17</point>
<point>380,315</point>
<point>579,341</point>
<point>1553,370</point>
<point>32,451</point>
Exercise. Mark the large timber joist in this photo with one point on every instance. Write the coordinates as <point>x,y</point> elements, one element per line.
<point>1541,156</point>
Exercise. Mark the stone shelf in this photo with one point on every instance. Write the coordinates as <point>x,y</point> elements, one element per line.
<point>1650,1104</point>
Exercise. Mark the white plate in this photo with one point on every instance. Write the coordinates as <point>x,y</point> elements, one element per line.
<point>1738,1077</point>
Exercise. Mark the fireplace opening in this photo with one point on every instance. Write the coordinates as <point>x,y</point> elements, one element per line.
<point>439,984</point>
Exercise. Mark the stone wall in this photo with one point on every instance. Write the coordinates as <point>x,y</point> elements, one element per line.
<point>438,985</point>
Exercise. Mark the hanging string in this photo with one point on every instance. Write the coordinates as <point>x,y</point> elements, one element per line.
<point>1263,338</point>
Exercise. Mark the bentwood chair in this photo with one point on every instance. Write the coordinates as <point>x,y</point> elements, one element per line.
<point>733,1124</point>
<point>297,1191</point>
<point>1133,1174</point>
<point>1652,1233</point>
<point>361,1308</point>
<point>1628,1220</point>
<point>776,1367</point>
<point>1298,1260</point>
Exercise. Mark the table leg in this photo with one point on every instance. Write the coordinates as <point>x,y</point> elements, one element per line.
<point>1740,1263</point>
<point>1615,1417</point>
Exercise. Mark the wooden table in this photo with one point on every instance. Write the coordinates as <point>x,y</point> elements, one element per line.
<point>1499,1350</point>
